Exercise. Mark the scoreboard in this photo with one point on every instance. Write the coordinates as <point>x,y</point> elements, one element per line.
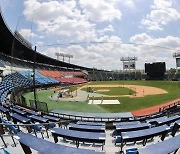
<point>159,67</point>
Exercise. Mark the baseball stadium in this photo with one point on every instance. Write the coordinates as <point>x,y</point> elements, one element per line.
<point>62,92</point>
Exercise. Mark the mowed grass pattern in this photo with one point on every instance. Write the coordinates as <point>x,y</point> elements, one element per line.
<point>112,90</point>
<point>127,104</point>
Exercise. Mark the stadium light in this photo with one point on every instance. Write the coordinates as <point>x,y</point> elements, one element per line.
<point>128,59</point>
<point>57,54</point>
<point>176,54</point>
<point>63,55</point>
<point>129,62</point>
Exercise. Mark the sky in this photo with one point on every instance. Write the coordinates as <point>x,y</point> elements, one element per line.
<point>146,29</point>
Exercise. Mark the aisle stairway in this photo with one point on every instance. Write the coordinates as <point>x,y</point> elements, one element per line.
<point>109,143</point>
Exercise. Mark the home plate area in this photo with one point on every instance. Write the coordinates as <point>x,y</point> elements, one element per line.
<point>104,102</point>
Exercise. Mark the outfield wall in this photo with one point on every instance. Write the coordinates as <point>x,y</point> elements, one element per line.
<point>108,76</point>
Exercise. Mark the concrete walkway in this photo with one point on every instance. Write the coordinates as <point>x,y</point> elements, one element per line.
<point>109,146</point>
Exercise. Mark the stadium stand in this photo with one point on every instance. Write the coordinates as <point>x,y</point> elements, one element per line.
<point>39,77</point>
<point>17,65</point>
<point>73,80</point>
<point>26,125</point>
<point>167,146</point>
<point>130,131</point>
<point>126,128</point>
<point>175,127</point>
<point>91,123</point>
<point>75,77</point>
<point>176,76</point>
<point>53,74</point>
<point>87,128</point>
<point>79,136</point>
<point>143,135</point>
<point>28,141</point>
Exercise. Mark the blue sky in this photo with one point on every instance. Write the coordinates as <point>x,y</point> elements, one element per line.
<point>151,22</point>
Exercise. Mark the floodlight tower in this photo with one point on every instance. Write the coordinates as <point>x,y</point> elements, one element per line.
<point>57,54</point>
<point>63,55</point>
<point>177,56</point>
<point>70,56</point>
<point>129,62</point>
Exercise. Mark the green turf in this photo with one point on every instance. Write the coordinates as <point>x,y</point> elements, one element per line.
<point>112,90</point>
<point>43,96</point>
<point>127,104</point>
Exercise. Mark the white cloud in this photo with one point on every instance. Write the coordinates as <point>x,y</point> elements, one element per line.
<point>59,18</point>
<point>168,41</point>
<point>107,55</point>
<point>73,19</point>
<point>109,28</point>
<point>162,4</point>
<point>156,49</point>
<point>27,33</point>
<point>162,13</point>
<point>129,3</point>
<point>40,43</point>
<point>82,21</point>
<point>139,38</point>
<point>100,10</point>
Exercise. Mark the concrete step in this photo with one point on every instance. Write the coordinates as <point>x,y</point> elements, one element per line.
<point>109,144</point>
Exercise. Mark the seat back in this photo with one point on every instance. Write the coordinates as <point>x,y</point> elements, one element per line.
<point>132,151</point>
<point>12,128</point>
<point>37,127</point>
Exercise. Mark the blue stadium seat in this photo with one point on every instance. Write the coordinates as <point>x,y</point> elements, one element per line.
<point>118,139</point>
<point>132,151</point>
<point>38,77</point>
<point>12,128</point>
<point>52,125</point>
<point>37,128</point>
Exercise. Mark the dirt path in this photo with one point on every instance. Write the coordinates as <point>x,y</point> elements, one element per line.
<point>141,91</point>
<point>151,110</point>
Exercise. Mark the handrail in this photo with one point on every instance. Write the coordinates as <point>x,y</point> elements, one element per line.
<point>170,105</point>
<point>61,122</point>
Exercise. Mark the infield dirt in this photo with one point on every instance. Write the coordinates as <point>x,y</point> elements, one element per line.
<point>141,91</point>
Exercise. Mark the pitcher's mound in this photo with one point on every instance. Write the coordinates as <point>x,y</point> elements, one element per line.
<point>104,102</point>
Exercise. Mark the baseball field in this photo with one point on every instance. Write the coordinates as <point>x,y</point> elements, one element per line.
<point>132,95</point>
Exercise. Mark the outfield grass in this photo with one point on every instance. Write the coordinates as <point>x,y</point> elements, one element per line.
<point>112,90</point>
<point>127,104</point>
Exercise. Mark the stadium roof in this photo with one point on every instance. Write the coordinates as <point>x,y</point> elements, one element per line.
<point>12,46</point>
